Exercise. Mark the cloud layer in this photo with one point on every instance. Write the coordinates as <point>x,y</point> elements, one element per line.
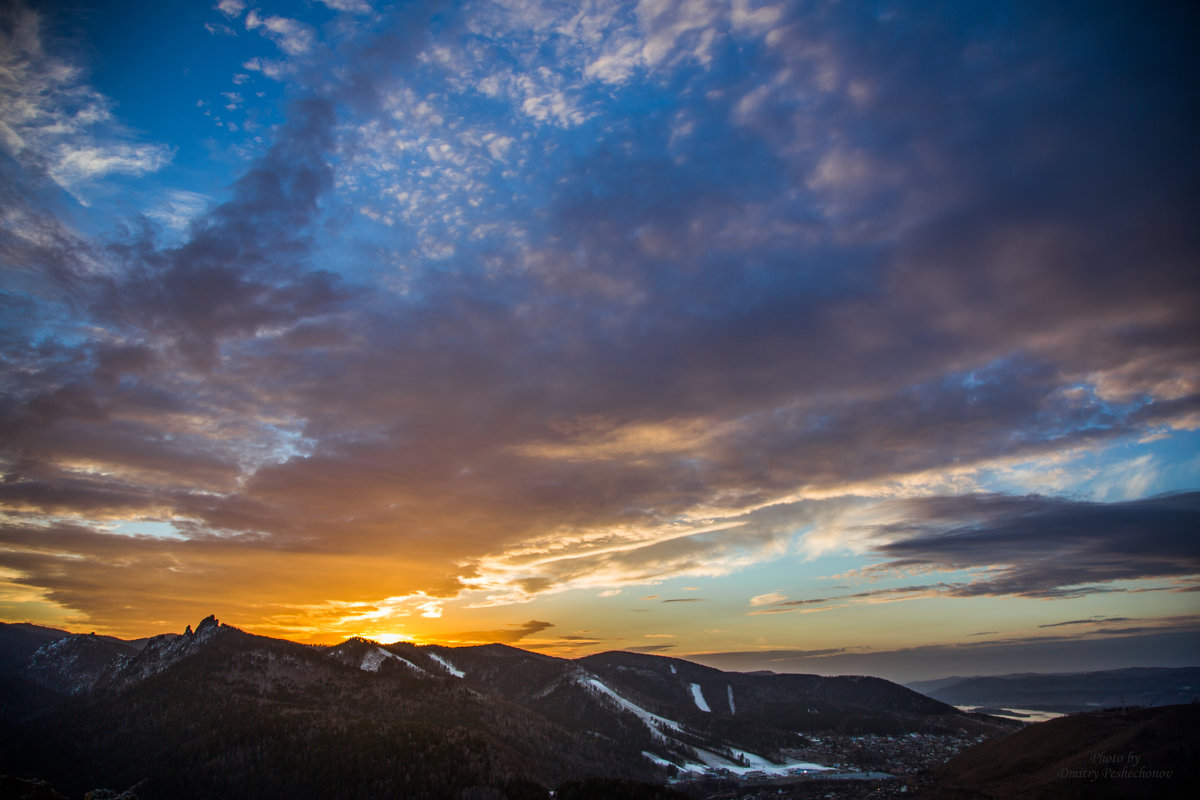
<point>523,298</point>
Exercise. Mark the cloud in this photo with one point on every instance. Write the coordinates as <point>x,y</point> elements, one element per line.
<point>1045,547</point>
<point>514,633</point>
<point>228,279</point>
<point>353,6</point>
<point>52,122</point>
<point>292,36</point>
<point>179,208</point>
<point>651,648</point>
<point>261,586</point>
<point>818,604</point>
<point>599,442</point>
<point>651,293</point>
<point>231,8</point>
<point>1091,621</point>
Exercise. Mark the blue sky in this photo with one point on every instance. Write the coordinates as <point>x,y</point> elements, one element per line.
<point>821,336</point>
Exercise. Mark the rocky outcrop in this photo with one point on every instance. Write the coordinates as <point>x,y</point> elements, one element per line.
<point>159,653</point>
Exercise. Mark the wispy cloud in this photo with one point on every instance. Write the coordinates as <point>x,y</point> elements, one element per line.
<point>52,121</point>
<point>765,599</point>
<point>292,36</point>
<point>354,6</point>
<point>1089,621</point>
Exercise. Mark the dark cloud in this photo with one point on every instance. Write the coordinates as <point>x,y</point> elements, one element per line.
<point>244,267</point>
<point>514,633</point>
<point>1046,547</point>
<point>651,648</point>
<point>1092,621</point>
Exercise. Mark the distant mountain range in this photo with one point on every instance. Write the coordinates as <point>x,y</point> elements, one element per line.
<point>1069,692</point>
<point>217,712</point>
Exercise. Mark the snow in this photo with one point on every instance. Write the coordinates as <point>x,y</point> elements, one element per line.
<point>756,763</point>
<point>698,696</point>
<point>407,663</point>
<point>715,762</point>
<point>372,660</point>
<point>662,762</point>
<point>729,690</point>
<point>458,673</point>
<point>711,761</point>
<point>763,765</point>
<point>653,721</point>
<point>673,670</point>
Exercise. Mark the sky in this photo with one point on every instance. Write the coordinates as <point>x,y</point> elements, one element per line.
<point>834,337</point>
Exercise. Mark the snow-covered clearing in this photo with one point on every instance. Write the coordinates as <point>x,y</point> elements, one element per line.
<point>458,673</point>
<point>746,762</point>
<point>685,767</point>
<point>698,696</point>
<point>373,659</point>
<point>409,664</point>
<point>653,721</point>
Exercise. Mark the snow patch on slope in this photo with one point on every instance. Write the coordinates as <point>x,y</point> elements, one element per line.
<point>698,696</point>
<point>729,690</point>
<point>409,664</point>
<point>654,722</point>
<point>458,673</point>
<point>685,767</point>
<point>372,660</point>
<point>673,670</point>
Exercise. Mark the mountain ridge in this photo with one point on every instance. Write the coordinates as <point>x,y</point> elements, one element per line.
<point>217,711</point>
<point>1066,692</point>
<point>487,714</point>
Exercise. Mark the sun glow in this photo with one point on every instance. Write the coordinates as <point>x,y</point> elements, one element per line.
<point>388,638</point>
